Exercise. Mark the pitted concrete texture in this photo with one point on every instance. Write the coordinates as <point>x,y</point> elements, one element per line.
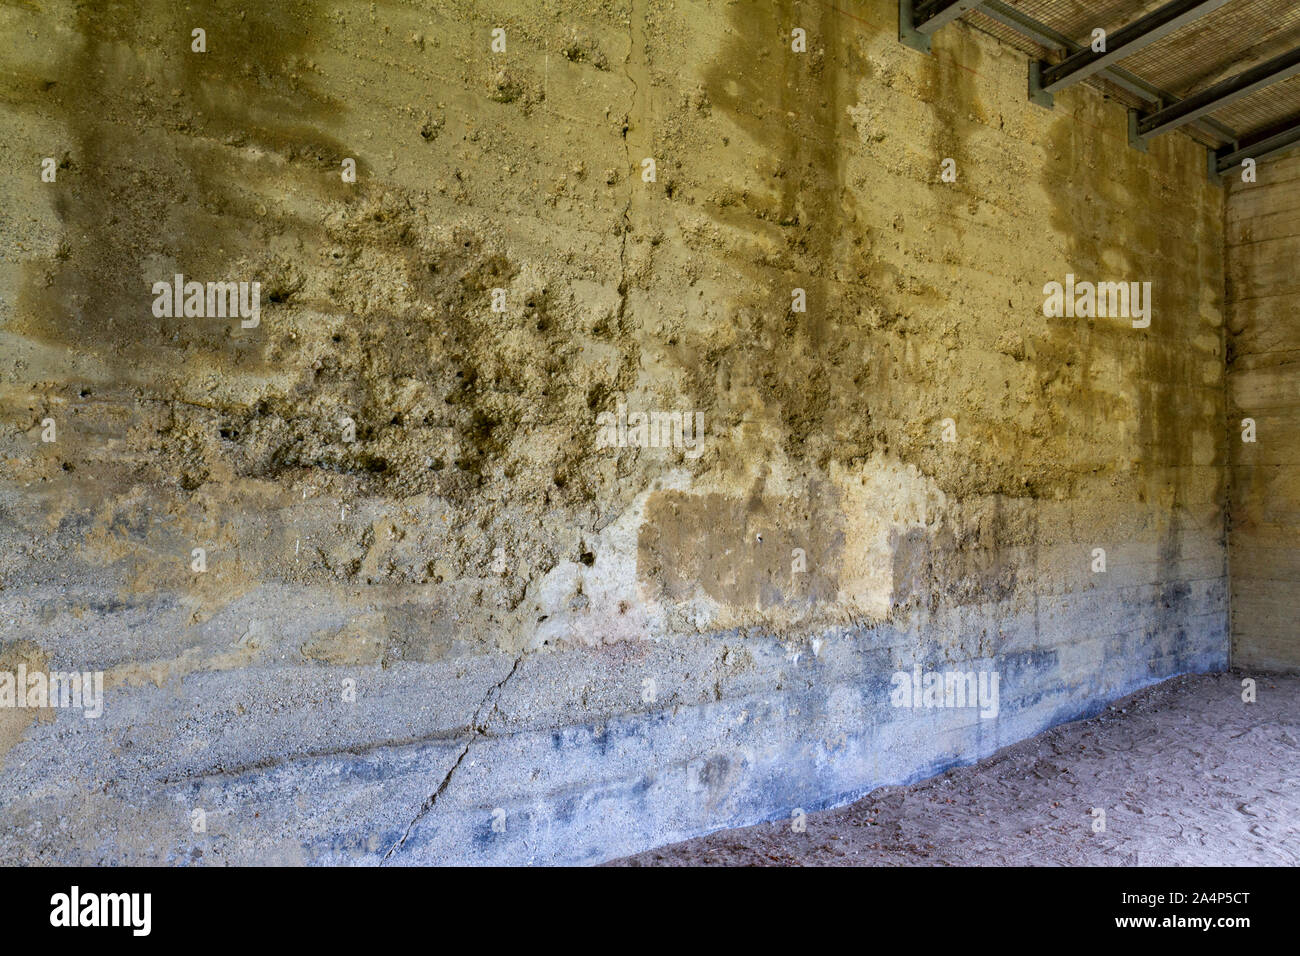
<point>1186,772</point>
<point>470,631</point>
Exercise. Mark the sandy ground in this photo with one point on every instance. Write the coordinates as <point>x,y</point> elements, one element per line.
<point>1186,772</point>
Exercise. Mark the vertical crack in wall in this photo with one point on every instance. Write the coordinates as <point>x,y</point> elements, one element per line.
<point>628,165</point>
<point>476,730</point>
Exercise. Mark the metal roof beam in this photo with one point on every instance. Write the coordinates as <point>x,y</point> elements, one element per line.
<point>1027,26</point>
<point>1048,38</point>
<point>1126,41</point>
<point>1265,143</point>
<point>915,17</point>
<point>1215,97</point>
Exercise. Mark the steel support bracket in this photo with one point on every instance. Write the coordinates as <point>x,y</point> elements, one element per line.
<point>908,34</point>
<point>1036,92</point>
<point>1135,139</point>
<point>1215,176</point>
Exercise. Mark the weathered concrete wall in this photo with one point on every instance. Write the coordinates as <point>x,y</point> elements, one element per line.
<point>1263,247</point>
<point>611,646</point>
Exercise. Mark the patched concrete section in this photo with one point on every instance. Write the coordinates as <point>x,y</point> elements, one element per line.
<point>369,582</point>
<point>705,529</point>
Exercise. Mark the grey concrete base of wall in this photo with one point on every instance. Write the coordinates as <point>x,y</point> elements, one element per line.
<point>572,755</point>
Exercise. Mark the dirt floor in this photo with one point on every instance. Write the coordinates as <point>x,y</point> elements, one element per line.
<point>1186,772</point>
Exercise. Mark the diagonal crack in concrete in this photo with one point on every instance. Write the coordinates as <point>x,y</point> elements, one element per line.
<point>476,730</point>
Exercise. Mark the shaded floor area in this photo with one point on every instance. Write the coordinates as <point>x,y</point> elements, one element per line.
<point>1186,772</point>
